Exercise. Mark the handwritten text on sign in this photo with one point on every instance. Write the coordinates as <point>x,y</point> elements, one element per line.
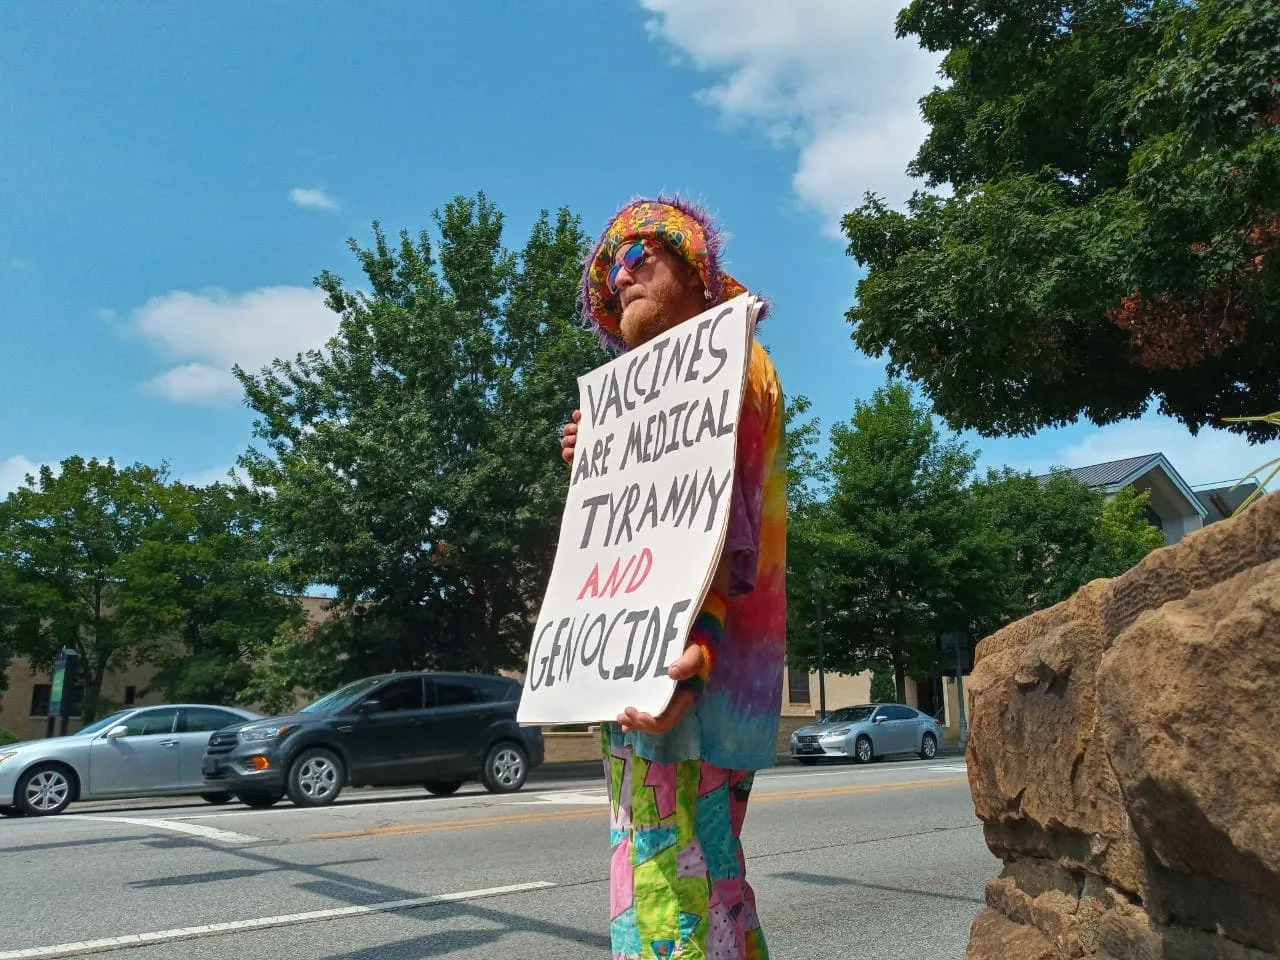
<point>645,520</point>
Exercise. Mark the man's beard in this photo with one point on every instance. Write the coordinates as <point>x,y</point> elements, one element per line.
<point>661,307</point>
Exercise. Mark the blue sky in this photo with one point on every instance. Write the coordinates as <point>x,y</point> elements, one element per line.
<point>172,177</point>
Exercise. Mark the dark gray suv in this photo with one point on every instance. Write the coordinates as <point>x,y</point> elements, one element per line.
<point>399,729</point>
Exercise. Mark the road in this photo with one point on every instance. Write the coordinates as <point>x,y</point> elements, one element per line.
<point>884,861</point>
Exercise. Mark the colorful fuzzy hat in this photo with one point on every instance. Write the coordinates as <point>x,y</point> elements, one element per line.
<point>684,228</point>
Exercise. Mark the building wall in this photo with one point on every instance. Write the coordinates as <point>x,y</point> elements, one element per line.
<point>16,702</point>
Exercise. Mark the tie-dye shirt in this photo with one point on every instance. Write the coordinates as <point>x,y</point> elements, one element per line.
<point>735,722</point>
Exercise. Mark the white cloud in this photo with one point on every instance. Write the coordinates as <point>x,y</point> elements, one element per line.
<point>213,330</point>
<point>312,198</point>
<point>828,76</point>
<point>14,471</point>
<point>195,383</point>
<point>1214,456</point>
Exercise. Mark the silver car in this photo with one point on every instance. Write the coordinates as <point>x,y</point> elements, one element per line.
<point>140,752</point>
<point>867,732</point>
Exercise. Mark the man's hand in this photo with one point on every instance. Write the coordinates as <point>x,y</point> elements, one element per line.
<point>569,437</point>
<point>690,663</point>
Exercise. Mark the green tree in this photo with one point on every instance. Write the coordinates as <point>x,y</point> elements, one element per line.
<point>201,596</point>
<point>882,686</point>
<point>1125,536</point>
<point>905,553</point>
<point>413,463</point>
<point>1113,222</point>
<point>806,518</point>
<point>64,540</point>
<point>1059,535</point>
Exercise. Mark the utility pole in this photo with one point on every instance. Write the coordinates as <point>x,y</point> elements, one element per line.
<point>822,667</point>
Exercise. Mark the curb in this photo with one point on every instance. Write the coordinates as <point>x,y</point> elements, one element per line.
<point>588,770</point>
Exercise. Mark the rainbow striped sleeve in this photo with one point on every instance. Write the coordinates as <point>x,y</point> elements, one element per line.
<point>706,632</point>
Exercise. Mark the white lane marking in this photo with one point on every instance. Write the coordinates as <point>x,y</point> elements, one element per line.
<point>458,801</point>
<point>262,923</point>
<point>192,829</point>
<point>567,798</point>
<point>951,768</point>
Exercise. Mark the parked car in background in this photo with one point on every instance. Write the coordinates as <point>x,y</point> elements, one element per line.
<point>868,732</point>
<point>433,729</point>
<point>141,752</point>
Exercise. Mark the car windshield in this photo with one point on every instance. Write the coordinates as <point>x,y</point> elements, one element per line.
<point>849,715</point>
<point>103,724</point>
<point>341,697</point>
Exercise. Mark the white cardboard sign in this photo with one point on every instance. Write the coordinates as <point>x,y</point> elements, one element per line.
<point>645,520</point>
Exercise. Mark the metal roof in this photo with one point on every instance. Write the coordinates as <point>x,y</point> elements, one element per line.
<point>1113,471</point>
<point>1114,474</point>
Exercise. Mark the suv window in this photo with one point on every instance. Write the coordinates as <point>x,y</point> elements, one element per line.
<point>399,695</point>
<point>149,723</point>
<point>497,689</point>
<point>207,719</point>
<point>454,692</point>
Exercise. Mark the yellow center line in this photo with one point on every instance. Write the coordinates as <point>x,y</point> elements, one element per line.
<point>502,820</point>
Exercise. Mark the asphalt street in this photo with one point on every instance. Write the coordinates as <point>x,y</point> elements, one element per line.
<point>884,861</point>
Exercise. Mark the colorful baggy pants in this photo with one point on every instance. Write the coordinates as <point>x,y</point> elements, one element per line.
<point>678,878</point>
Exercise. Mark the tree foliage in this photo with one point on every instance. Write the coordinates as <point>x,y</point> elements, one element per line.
<point>201,596</point>
<point>902,554</point>
<point>63,543</point>
<point>1114,222</point>
<point>122,566</point>
<point>1059,535</point>
<point>413,462</point>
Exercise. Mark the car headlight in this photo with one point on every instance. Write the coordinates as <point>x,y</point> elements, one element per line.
<point>835,733</point>
<point>5,756</point>
<point>259,734</point>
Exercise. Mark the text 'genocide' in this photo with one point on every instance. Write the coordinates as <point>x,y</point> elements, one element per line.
<point>561,645</point>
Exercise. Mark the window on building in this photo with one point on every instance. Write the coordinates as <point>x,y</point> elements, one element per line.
<point>797,685</point>
<point>130,696</point>
<point>40,699</point>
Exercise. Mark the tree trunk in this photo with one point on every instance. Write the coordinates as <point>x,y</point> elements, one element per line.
<point>94,674</point>
<point>899,679</point>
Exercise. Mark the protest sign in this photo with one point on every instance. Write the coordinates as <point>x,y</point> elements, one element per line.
<point>645,520</point>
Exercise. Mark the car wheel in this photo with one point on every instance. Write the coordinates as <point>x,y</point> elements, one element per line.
<point>443,788</point>
<point>928,747</point>
<point>862,751</point>
<point>259,801</point>
<point>505,768</point>
<point>315,779</point>
<point>45,790</point>
<point>217,799</point>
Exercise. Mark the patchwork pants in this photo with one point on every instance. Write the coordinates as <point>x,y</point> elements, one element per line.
<point>678,877</point>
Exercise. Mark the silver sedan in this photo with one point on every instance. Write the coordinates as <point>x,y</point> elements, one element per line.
<point>141,752</point>
<point>866,732</point>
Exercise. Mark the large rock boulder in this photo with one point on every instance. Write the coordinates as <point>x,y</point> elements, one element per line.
<point>1124,757</point>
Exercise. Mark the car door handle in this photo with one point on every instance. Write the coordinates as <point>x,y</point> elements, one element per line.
<point>344,728</point>
<point>168,743</point>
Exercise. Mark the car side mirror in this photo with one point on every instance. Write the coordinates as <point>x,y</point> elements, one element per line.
<point>879,719</point>
<point>115,733</point>
<point>367,707</point>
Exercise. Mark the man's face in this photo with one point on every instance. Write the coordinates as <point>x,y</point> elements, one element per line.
<point>660,293</point>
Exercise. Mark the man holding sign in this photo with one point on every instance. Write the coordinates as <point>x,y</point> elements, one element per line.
<point>679,779</point>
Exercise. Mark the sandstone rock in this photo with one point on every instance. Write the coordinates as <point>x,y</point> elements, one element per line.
<point>1124,756</point>
<point>992,935</point>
